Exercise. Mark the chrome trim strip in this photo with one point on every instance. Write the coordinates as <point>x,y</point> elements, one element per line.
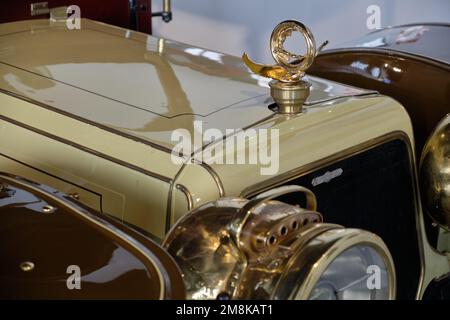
<point>188,195</point>
<point>169,199</point>
<point>169,208</point>
<point>216,178</point>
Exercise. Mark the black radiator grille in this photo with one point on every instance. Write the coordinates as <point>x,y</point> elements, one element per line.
<point>374,190</point>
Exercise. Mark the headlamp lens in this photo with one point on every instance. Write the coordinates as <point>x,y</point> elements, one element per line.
<point>358,273</point>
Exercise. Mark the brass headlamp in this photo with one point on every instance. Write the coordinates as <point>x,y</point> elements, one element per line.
<point>435,174</point>
<point>235,248</point>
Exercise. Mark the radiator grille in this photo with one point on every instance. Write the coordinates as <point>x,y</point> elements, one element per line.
<point>373,190</point>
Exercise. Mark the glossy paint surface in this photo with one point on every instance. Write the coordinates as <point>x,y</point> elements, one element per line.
<point>75,107</point>
<point>428,40</point>
<point>135,83</point>
<point>72,132</point>
<point>416,72</point>
<point>48,230</point>
<point>82,128</point>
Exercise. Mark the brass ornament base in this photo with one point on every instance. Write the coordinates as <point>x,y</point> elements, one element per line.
<point>289,96</point>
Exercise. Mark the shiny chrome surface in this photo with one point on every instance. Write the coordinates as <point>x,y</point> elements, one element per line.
<point>187,194</point>
<point>166,13</point>
<point>435,174</point>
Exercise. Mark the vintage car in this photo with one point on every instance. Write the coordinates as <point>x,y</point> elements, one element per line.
<point>95,117</point>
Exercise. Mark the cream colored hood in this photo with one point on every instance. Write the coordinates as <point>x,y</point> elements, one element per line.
<point>135,83</point>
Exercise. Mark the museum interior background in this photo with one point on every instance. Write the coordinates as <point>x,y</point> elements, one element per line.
<point>235,26</point>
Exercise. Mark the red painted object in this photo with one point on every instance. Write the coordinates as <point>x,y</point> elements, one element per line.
<point>115,12</point>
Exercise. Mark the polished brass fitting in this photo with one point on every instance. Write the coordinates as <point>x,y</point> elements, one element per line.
<point>289,96</point>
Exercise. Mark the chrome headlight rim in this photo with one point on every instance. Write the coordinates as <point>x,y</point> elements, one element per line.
<point>321,249</point>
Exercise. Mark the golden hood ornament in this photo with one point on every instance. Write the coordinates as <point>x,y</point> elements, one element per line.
<point>287,88</point>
